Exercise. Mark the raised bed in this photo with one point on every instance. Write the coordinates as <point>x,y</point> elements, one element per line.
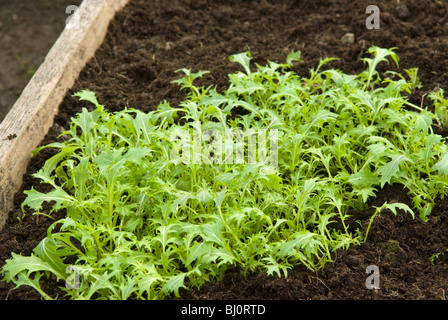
<point>134,67</point>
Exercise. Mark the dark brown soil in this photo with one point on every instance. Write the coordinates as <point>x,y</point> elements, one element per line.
<point>149,40</point>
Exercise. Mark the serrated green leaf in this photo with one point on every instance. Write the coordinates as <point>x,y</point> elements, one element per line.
<point>141,123</point>
<point>396,205</point>
<point>50,252</point>
<point>432,141</point>
<point>321,116</point>
<point>273,266</point>
<point>26,265</point>
<point>35,199</point>
<point>204,197</point>
<point>224,256</point>
<point>249,87</point>
<point>149,279</point>
<point>365,193</point>
<point>198,251</point>
<point>380,54</point>
<point>85,121</point>
<point>99,282</point>
<point>300,240</point>
<point>293,56</point>
<point>395,117</point>
<point>213,232</point>
<point>174,283</point>
<point>442,165</point>
<point>242,58</point>
<point>363,179</point>
<point>163,110</point>
<point>423,121</point>
<point>189,77</point>
<point>391,168</point>
<point>51,164</point>
<point>88,96</point>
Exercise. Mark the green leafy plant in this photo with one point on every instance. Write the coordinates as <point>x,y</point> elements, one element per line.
<point>441,107</point>
<point>142,224</point>
<point>433,258</point>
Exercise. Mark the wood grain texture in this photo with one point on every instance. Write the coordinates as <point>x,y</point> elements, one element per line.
<point>32,115</point>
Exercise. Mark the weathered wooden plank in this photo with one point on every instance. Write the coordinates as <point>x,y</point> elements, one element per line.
<point>32,115</point>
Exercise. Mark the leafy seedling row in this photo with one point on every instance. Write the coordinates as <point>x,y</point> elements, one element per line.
<point>140,224</point>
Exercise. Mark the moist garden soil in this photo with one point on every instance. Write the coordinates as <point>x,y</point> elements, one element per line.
<point>148,40</point>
